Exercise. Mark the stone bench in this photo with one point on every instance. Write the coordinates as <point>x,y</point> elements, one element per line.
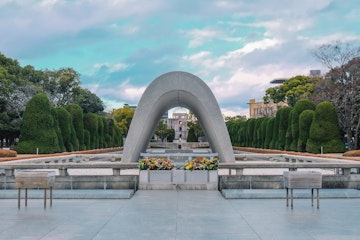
<point>35,179</point>
<point>302,179</point>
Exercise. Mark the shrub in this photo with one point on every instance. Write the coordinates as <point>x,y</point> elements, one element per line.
<point>37,130</point>
<point>58,130</point>
<point>288,136</point>
<point>305,120</point>
<point>7,153</point>
<point>324,130</point>
<point>91,124</point>
<point>353,153</point>
<point>101,136</point>
<point>77,118</point>
<point>269,131</point>
<point>64,121</point>
<point>284,113</point>
<point>300,106</point>
<point>250,132</point>
<point>275,134</point>
<point>87,139</point>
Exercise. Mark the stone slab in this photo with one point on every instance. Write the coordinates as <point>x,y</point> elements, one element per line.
<point>72,194</point>
<point>281,194</point>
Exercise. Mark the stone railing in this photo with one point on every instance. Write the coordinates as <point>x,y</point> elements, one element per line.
<point>180,155</point>
<point>346,174</point>
<point>66,181</point>
<point>64,166</point>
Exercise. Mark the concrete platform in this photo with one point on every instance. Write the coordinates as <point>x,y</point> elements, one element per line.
<point>281,194</point>
<point>181,215</point>
<point>69,194</point>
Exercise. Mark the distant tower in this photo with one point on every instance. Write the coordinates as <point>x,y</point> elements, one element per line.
<point>315,73</point>
<point>178,122</point>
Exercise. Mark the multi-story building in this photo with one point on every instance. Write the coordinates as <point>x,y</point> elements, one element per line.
<point>178,122</point>
<point>262,109</point>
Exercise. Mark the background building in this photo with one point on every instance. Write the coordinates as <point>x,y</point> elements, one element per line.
<point>178,122</point>
<point>261,109</point>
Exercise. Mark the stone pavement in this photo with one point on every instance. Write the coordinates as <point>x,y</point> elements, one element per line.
<point>181,215</point>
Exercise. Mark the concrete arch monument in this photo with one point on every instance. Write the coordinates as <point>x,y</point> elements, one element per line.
<point>170,90</point>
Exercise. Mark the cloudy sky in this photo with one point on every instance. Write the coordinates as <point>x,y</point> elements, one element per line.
<point>119,46</point>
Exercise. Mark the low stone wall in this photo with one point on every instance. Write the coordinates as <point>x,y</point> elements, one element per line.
<point>83,182</point>
<point>277,182</point>
<point>184,145</point>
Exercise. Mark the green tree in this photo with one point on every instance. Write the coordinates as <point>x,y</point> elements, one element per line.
<point>284,113</point>
<point>269,132</point>
<point>293,89</point>
<point>340,85</point>
<point>77,117</point>
<point>58,130</point>
<point>300,106</point>
<point>194,124</point>
<point>101,134</point>
<point>123,117</point>
<point>275,134</point>
<point>114,132</point>
<point>65,122</point>
<point>107,138</point>
<point>162,130</point>
<point>88,101</point>
<point>288,136</point>
<point>305,120</point>
<point>61,85</point>
<point>38,128</point>
<point>250,132</point>
<point>91,124</point>
<point>325,131</point>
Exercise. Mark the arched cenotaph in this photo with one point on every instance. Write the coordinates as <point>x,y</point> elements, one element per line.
<point>177,89</point>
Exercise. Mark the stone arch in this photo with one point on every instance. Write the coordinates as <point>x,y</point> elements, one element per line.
<point>170,90</point>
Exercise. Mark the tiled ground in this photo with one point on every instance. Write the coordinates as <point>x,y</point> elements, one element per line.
<point>180,215</point>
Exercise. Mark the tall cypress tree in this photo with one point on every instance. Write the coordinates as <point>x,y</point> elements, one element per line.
<point>78,123</point>
<point>37,131</point>
<point>305,120</point>
<point>300,106</point>
<point>325,131</point>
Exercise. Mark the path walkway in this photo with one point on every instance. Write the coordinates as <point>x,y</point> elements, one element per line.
<point>180,215</point>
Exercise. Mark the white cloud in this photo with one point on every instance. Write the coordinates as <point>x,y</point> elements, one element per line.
<point>199,36</point>
<point>253,46</point>
<point>124,91</point>
<point>235,111</point>
<point>111,67</point>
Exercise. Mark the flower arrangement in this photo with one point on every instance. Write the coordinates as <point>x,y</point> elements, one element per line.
<point>156,164</point>
<point>202,163</point>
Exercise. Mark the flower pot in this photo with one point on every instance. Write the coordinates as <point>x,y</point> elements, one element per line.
<point>160,176</point>
<point>144,176</point>
<point>178,176</point>
<point>198,176</point>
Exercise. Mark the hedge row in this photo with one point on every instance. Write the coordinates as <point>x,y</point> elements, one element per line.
<point>302,128</point>
<point>46,129</point>
<point>7,153</point>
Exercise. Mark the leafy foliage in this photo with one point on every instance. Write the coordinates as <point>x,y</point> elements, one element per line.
<point>123,117</point>
<point>163,132</point>
<point>293,89</point>
<point>299,107</point>
<point>305,120</point>
<point>324,130</point>
<point>38,129</point>
<point>340,85</point>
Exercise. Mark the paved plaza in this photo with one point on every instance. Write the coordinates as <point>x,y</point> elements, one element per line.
<point>181,215</point>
